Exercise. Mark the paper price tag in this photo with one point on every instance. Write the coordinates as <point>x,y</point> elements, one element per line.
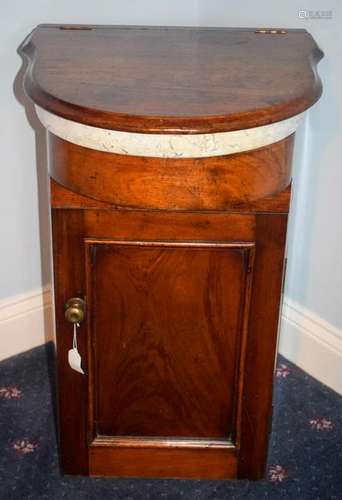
<point>74,357</point>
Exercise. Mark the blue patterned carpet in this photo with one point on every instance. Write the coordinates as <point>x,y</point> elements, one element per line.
<point>305,460</point>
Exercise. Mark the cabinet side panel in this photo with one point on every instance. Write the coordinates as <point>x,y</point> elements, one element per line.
<point>261,344</point>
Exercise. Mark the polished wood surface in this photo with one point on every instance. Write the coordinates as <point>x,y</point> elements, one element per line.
<point>62,197</point>
<point>216,183</point>
<point>157,225</point>
<point>270,236</point>
<point>74,231</point>
<point>167,332</point>
<point>69,281</point>
<point>241,451</point>
<point>165,462</point>
<point>159,79</point>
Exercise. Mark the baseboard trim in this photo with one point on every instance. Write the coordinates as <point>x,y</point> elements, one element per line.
<point>311,343</point>
<point>26,321</point>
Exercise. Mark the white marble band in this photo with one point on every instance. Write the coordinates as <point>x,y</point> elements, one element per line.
<point>167,145</point>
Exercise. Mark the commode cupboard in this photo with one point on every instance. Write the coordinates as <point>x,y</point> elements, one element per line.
<point>170,163</point>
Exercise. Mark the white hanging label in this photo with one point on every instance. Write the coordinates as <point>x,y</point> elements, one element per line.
<point>74,357</point>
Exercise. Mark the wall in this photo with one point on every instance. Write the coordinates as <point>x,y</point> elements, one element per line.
<point>314,279</point>
<point>21,268</point>
<point>311,329</point>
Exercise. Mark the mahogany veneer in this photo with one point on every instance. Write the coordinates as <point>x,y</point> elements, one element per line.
<point>179,259</point>
<point>122,77</point>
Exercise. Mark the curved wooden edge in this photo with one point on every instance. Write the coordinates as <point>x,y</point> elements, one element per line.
<point>237,182</point>
<point>62,197</point>
<point>166,124</point>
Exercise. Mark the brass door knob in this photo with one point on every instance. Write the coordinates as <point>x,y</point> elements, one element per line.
<point>75,310</point>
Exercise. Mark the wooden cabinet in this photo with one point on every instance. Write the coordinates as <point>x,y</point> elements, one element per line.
<point>170,161</point>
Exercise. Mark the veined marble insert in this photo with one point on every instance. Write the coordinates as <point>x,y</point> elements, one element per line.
<point>167,145</point>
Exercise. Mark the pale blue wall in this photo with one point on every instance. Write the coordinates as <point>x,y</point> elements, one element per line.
<point>23,253</point>
<point>315,235</point>
<point>314,276</point>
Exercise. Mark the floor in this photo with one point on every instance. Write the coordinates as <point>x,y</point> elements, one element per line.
<point>305,459</point>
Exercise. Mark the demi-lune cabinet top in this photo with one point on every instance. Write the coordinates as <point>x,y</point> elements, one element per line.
<point>171,80</point>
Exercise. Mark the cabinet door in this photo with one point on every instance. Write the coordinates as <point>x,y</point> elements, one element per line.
<point>166,328</point>
<point>178,371</point>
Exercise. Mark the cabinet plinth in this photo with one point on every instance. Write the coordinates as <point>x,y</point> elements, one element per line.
<point>170,156</point>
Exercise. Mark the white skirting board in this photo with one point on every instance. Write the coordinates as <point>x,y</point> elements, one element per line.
<point>314,345</point>
<point>311,343</point>
<point>25,321</point>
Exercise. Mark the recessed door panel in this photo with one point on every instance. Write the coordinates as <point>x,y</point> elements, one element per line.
<point>167,323</point>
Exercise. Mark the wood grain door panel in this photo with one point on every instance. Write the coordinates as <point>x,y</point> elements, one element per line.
<point>167,332</point>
